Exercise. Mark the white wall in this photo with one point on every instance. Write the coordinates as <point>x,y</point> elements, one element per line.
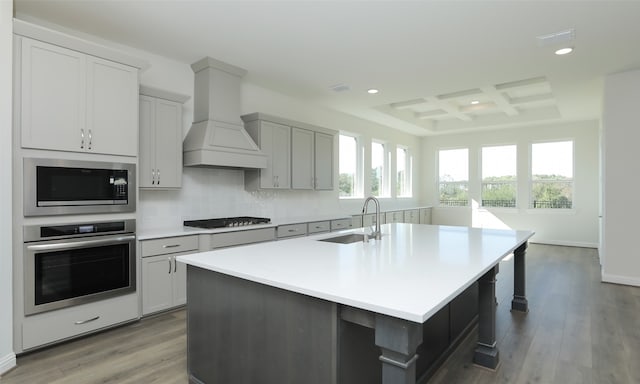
<point>578,227</point>
<point>620,256</point>
<point>7,357</point>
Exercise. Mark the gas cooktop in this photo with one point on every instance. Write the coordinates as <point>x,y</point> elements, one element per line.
<point>227,222</point>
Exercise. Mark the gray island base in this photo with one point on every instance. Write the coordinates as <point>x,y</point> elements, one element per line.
<point>243,331</point>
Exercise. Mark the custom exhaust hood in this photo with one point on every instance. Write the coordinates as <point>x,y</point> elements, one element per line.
<point>217,137</point>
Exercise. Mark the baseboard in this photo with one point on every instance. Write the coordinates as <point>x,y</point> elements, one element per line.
<point>617,279</point>
<point>565,243</point>
<point>7,362</point>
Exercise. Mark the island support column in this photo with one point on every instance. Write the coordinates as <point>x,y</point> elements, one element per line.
<point>398,340</point>
<point>519,302</point>
<point>486,353</point>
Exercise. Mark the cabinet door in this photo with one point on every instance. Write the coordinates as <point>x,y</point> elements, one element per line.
<point>323,161</point>
<point>179,283</point>
<point>412,216</point>
<point>168,144</point>
<point>112,107</point>
<point>302,166</point>
<point>157,289</point>
<point>425,215</point>
<point>275,142</point>
<point>53,84</point>
<point>281,155</point>
<point>147,160</point>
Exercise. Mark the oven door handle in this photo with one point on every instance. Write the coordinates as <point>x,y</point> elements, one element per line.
<point>81,243</point>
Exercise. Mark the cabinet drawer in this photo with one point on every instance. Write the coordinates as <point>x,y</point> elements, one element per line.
<point>169,245</point>
<point>340,224</point>
<point>290,230</point>
<point>228,239</point>
<point>319,227</point>
<point>395,217</point>
<point>49,327</point>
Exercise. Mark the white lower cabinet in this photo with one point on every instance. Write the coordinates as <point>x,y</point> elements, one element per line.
<point>318,227</point>
<point>291,230</point>
<point>164,280</point>
<point>394,217</point>
<point>425,215</point>
<point>54,326</point>
<point>340,224</point>
<point>412,216</point>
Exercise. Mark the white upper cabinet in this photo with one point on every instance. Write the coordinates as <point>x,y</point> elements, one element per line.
<point>112,107</point>
<point>312,160</point>
<point>323,161</point>
<point>71,101</point>
<point>302,159</point>
<point>160,139</point>
<point>274,141</point>
<point>300,156</point>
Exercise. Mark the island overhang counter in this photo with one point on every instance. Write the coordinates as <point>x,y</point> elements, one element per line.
<point>274,310</point>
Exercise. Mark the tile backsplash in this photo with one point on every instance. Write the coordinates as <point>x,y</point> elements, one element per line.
<point>219,192</point>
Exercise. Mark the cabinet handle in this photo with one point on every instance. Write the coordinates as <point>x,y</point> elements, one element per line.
<point>278,181</point>
<point>175,265</point>
<point>169,260</point>
<point>153,176</point>
<point>80,322</point>
<point>171,246</point>
<point>81,138</point>
<point>158,181</point>
<point>90,137</point>
<point>293,230</point>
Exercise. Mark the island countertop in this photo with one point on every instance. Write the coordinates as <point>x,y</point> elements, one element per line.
<point>412,272</point>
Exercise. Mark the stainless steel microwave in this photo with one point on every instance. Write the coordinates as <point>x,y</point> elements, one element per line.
<point>65,187</point>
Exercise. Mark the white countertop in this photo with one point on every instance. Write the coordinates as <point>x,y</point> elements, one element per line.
<point>412,272</point>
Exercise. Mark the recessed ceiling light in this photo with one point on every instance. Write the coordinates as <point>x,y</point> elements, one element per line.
<point>372,91</point>
<point>474,102</point>
<point>564,51</point>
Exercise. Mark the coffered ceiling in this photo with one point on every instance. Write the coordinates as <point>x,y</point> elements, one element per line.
<point>429,59</point>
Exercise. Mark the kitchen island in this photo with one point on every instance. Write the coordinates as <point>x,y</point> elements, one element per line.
<point>281,312</point>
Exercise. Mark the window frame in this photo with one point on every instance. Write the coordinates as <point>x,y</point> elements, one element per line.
<point>531,180</point>
<point>408,166</point>
<point>359,157</point>
<point>514,183</point>
<point>438,182</point>
<point>383,188</point>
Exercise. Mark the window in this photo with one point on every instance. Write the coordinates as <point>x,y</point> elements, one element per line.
<point>348,179</point>
<point>552,175</point>
<point>378,169</point>
<point>453,179</point>
<point>403,170</point>
<point>499,182</point>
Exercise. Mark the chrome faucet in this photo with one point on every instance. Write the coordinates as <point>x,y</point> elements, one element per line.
<point>375,234</point>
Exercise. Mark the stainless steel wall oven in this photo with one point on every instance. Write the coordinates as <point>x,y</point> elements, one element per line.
<point>71,264</point>
<point>63,187</point>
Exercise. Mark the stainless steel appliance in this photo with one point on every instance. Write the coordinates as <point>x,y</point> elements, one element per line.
<point>71,264</point>
<point>62,187</point>
<point>226,222</point>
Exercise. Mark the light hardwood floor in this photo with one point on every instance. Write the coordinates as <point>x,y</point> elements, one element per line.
<point>578,330</point>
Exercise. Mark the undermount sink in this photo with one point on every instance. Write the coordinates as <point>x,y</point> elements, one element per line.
<point>345,239</point>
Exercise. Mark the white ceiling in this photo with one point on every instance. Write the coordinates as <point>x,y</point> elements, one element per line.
<point>429,59</point>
